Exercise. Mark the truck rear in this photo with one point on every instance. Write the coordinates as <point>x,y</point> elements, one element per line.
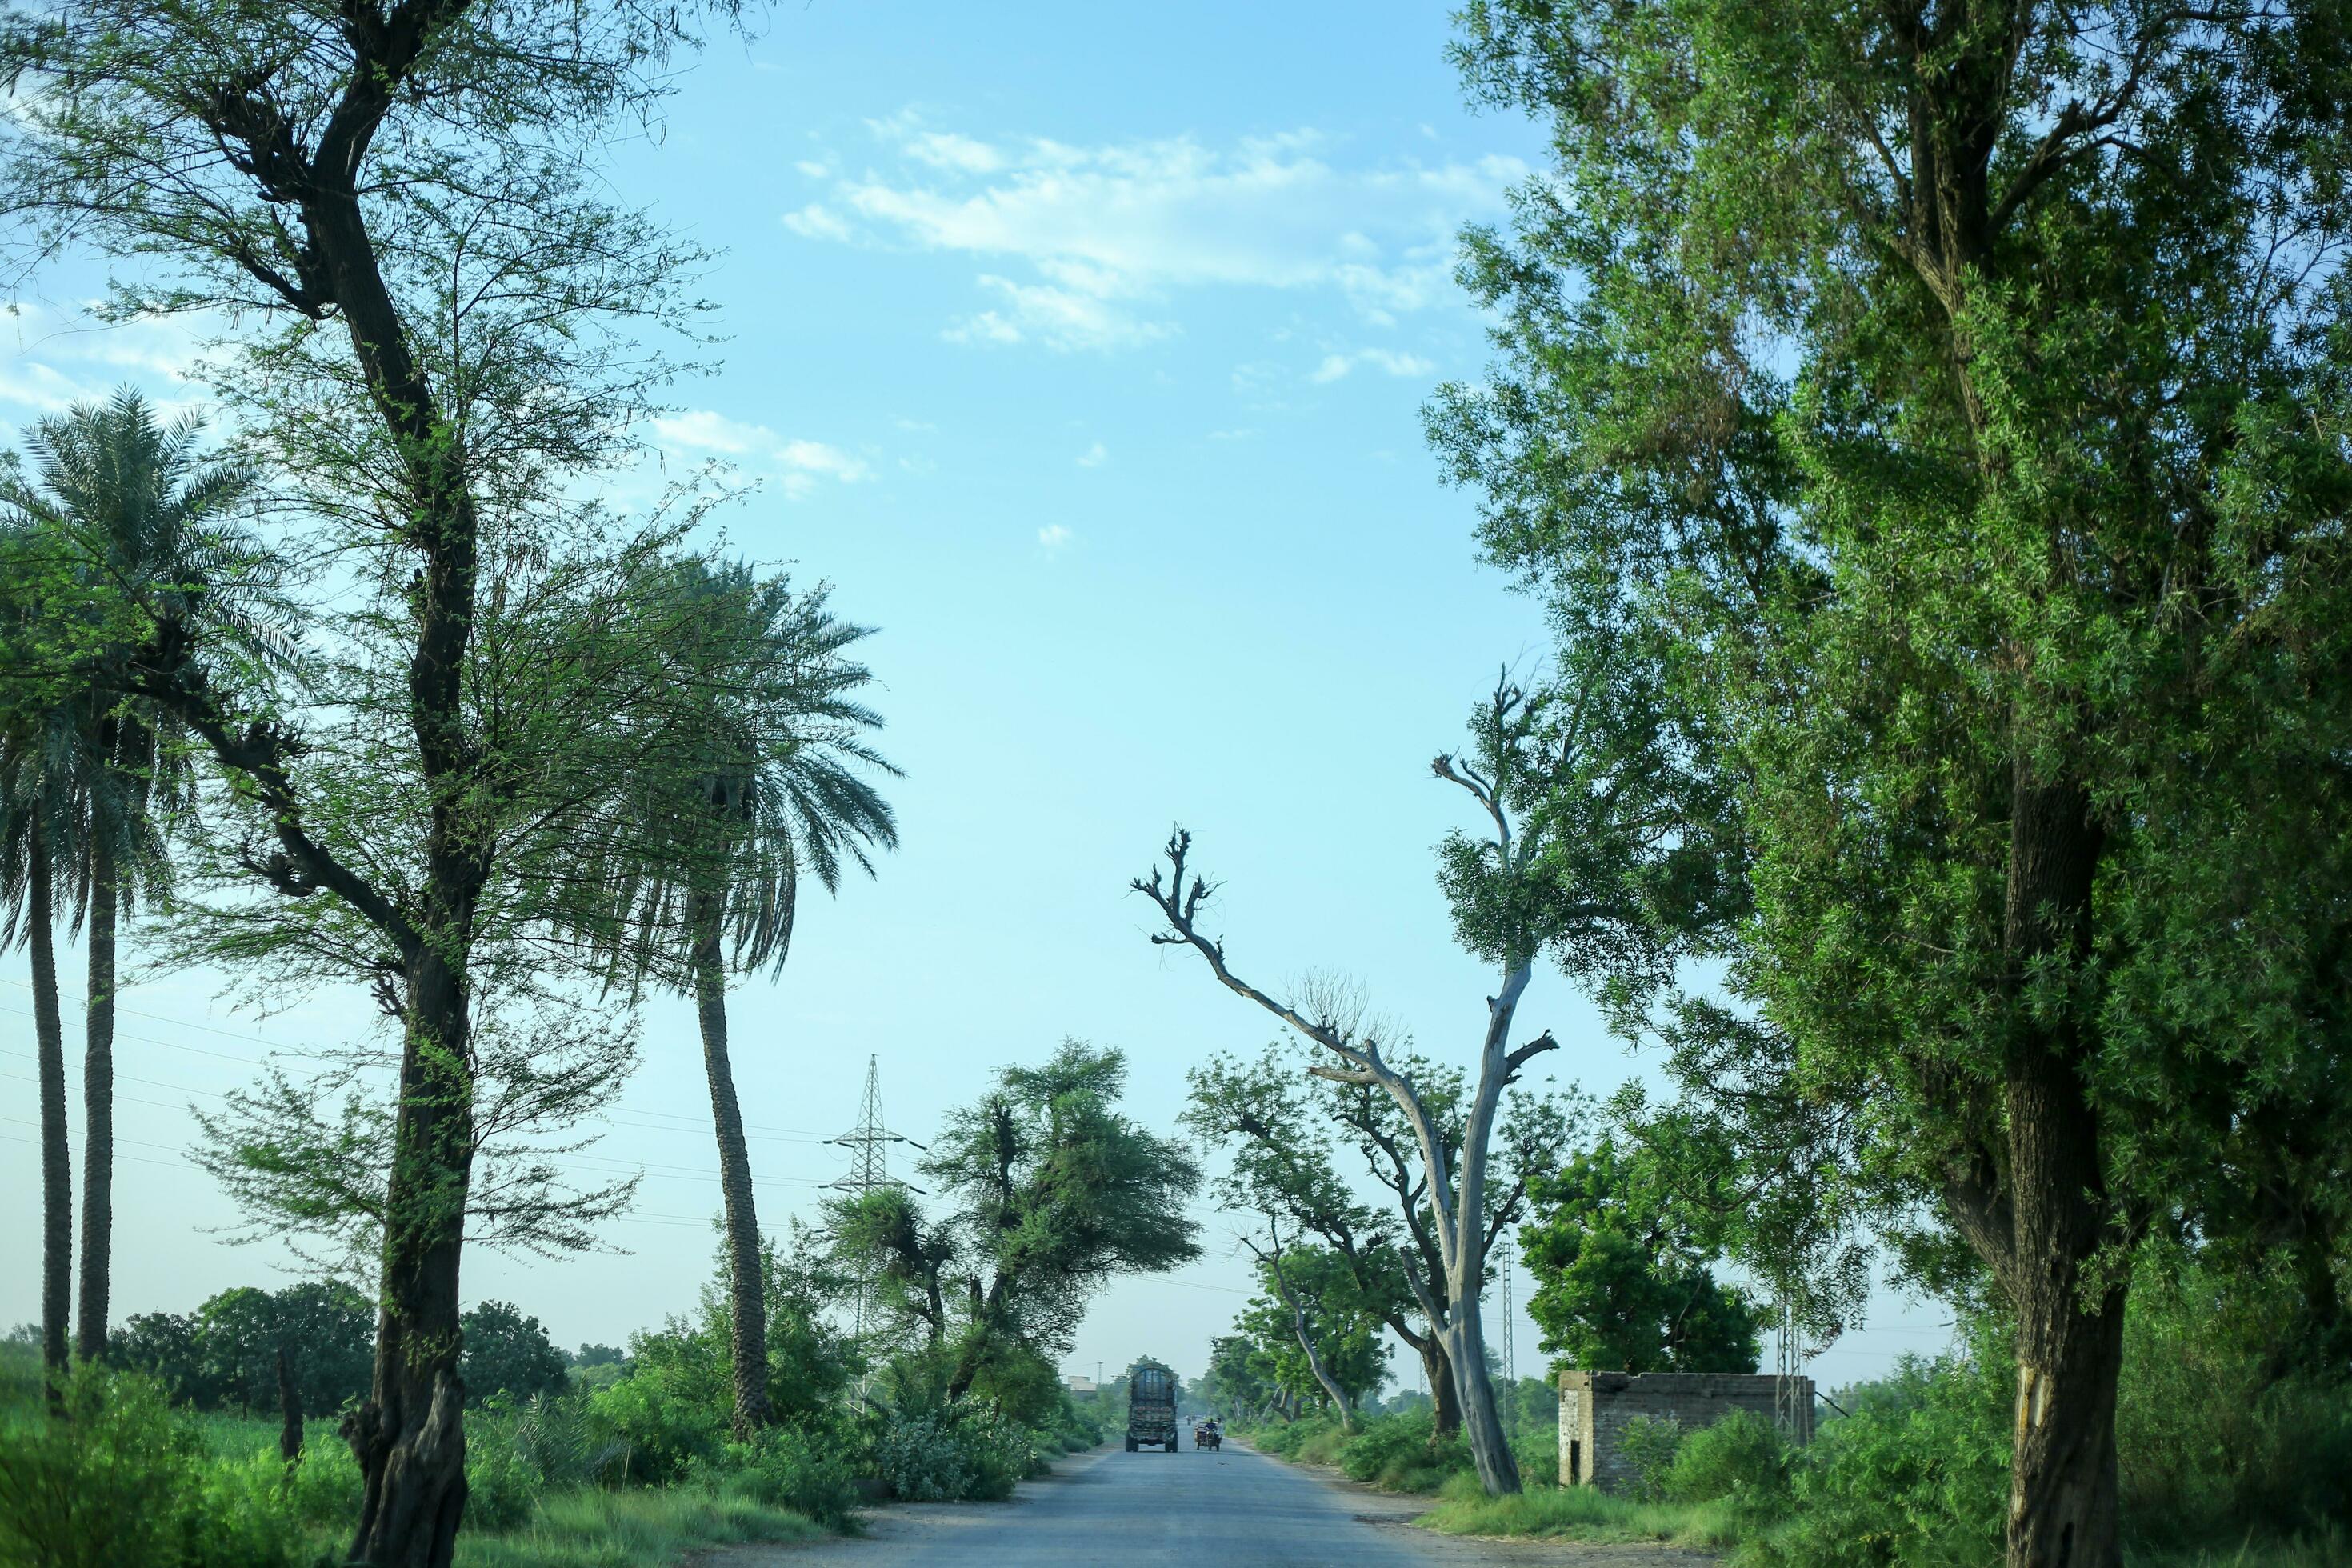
<point>1151,1408</point>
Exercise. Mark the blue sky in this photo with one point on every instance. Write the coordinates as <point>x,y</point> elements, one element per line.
<point>1083,351</point>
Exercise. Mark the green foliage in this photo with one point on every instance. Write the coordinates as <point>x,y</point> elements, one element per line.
<point>509,1354</point>
<point>1648,1443</point>
<point>787,1467</point>
<point>1343,1322</point>
<point>1620,1258</point>
<point>1053,1193</point>
<point>118,1479</point>
<point>1742,1459</point>
<point>968,1450</point>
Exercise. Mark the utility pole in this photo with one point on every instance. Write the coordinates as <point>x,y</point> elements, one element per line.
<point>869,1171</point>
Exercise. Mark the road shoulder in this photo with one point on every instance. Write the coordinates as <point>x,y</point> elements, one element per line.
<point>910,1524</point>
<point>1392,1514</point>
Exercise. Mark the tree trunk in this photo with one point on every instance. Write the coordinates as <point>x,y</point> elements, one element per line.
<point>2062,1484</point>
<point>1331,1388</point>
<point>746,1280</point>
<point>1482,1420</point>
<point>98,1114</point>
<point>1438,1368</point>
<point>409,1437</point>
<point>289,1412</point>
<point>57,1158</point>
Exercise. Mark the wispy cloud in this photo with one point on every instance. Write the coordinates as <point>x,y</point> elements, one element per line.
<point>1336,366</point>
<point>799,464</point>
<point>52,358</point>
<point>1053,536</point>
<point>1094,456</point>
<point>1109,234</point>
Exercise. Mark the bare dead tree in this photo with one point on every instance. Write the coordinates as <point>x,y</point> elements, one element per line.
<point>1329,1016</point>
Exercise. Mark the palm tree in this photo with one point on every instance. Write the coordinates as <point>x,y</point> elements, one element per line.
<point>42,784</point>
<point>701,875</point>
<point>138,515</point>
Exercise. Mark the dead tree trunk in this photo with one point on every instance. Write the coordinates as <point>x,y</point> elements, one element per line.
<point>1457,1210</point>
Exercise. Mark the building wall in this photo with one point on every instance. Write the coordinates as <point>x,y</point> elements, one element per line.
<point>1594,1407</point>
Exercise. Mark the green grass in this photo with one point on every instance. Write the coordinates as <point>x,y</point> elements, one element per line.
<point>1579,1514</point>
<point>641,1529</point>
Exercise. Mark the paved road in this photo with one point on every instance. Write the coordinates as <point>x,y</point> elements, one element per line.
<point>1233,1509</point>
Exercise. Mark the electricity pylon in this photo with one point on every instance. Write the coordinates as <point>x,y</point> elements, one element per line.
<point>869,1171</point>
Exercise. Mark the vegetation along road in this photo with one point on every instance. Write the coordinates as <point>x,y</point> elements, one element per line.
<point>1236,1509</point>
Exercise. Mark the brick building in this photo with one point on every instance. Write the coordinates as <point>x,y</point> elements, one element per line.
<point>1595,1406</point>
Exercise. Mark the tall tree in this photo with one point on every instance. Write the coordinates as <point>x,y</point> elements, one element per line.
<point>1318,1333</point>
<point>1282,1134</point>
<point>1948,402</point>
<point>399,201</point>
<point>781,791</point>
<point>1623,1264</point>
<point>1576,859</point>
<point>43,767</point>
<point>1052,1192</point>
<point>151,514</point>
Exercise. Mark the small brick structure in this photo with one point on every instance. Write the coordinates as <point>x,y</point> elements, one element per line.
<point>1595,1406</point>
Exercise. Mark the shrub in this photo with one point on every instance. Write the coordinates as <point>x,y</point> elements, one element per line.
<point>1648,1443</point>
<point>785,1467</point>
<point>1914,1476</point>
<point>1741,1457</point>
<point>918,1457</point>
<point>118,1479</point>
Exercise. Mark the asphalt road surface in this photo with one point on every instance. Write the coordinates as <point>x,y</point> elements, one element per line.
<point>1233,1509</point>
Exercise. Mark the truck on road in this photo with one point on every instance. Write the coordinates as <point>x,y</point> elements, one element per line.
<point>1150,1407</point>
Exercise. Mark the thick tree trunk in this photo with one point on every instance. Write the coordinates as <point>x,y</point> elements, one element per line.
<point>409,1437</point>
<point>57,1157</point>
<point>2063,1483</point>
<point>1439,1369</point>
<point>746,1280</point>
<point>98,1115</point>
<point>1482,1421</point>
<point>290,1411</point>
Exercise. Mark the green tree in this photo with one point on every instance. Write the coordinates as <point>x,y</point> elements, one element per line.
<point>440,316</point>
<point>147,515</point>
<point>1316,1328</point>
<point>778,791</point>
<point>1282,1127</point>
<point>1621,1263</point>
<point>509,1354</point>
<point>1050,1194</point>
<point>1942,407</point>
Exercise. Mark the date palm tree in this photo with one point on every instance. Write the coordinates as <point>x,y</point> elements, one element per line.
<point>126,509</point>
<point>699,878</point>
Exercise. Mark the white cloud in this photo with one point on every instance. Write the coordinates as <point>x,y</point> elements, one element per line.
<point>1053,536</point>
<point>816,221</point>
<point>1335,367</point>
<point>1059,318</point>
<point>1094,456</point>
<point>1110,232</point>
<point>946,150</point>
<point>798,463</point>
<point>813,169</point>
<point>52,358</point>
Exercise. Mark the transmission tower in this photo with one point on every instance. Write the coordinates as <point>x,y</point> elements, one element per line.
<point>1511,1318</point>
<point>1786,1397</point>
<point>869,1171</point>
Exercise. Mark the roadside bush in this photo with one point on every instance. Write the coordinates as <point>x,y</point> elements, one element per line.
<point>1648,1445</point>
<point>1396,1452</point>
<point>1914,1477</point>
<point>1741,1457</point>
<point>919,1458</point>
<point>788,1468</point>
<point>120,1480</point>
